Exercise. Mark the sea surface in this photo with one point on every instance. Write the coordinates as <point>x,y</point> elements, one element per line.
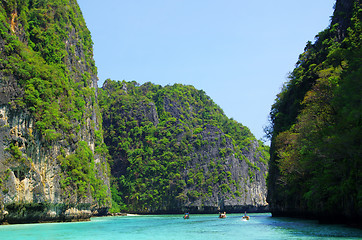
<point>160,227</point>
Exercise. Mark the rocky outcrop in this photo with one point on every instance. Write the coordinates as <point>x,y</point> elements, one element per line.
<point>173,150</point>
<point>314,145</point>
<point>342,15</point>
<point>49,119</point>
<point>241,190</point>
<point>168,155</point>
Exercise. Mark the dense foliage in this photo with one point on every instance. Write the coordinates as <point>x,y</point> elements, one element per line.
<point>161,140</point>
<point>316,124</point>
<point>47,58</point>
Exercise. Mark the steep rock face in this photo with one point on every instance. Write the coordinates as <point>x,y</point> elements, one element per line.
<point>342,16</point>
<point>51,157</point>
<point>315,147</point>
<point>174,150</point>
<point>241,190</point>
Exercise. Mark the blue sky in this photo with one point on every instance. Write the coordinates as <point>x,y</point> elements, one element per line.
<point>238,52</point>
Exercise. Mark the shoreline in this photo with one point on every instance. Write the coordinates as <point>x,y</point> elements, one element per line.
<point>123,214</point>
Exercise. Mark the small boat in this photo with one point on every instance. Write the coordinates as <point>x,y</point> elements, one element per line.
<point>222,215</point>
<point>186,216</point>
<point>246,217</point>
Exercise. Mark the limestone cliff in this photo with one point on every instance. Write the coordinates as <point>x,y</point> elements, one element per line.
<point>174,150</point>
<point>316,125</point>
<point>52,161</point>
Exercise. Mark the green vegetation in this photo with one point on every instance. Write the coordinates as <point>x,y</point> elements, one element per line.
<point>316,123</point>
<point>47,56</point>
<point>160,140</point>
<point>16,154</point>
<point>168,145</point>
<point>79,174</point>
<point>40,62</point>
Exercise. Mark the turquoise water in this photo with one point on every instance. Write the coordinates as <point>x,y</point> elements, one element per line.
<point>209,227</point>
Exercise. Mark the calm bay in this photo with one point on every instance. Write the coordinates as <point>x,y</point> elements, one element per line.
<point>206,226</point>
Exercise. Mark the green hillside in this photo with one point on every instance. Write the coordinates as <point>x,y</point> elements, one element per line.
<point>170,146</point>
<point>49,115</point>
<point>316,153</point>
